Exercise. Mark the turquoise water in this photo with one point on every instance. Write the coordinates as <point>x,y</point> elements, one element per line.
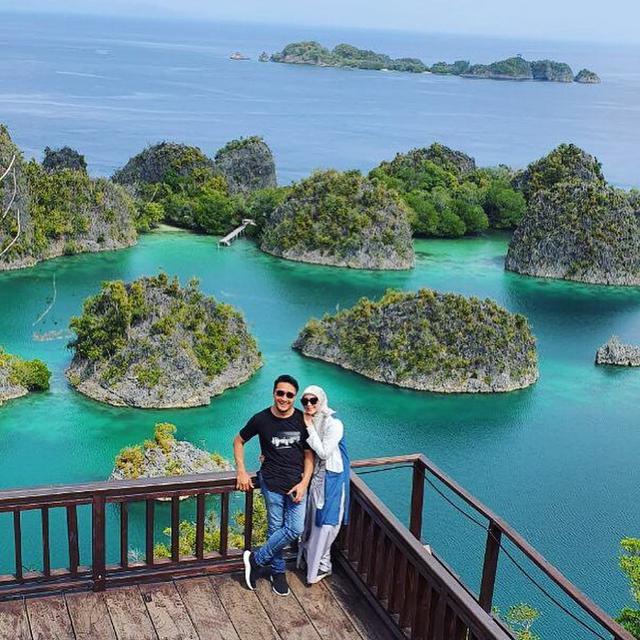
<point>558,460</point>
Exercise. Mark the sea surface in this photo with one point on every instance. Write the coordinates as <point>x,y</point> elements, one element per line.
<point>560,460</point>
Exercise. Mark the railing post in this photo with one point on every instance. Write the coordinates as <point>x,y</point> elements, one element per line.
<point>98,542</point>
<point>490,566</point>
<point>417,499</point>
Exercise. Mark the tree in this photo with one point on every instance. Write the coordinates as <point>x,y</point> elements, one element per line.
<point>629,617</point>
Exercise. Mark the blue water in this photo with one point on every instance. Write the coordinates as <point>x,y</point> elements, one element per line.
<point>110,87</point>
<point>559,460</point>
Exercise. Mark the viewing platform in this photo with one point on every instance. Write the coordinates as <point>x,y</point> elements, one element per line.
<point>236,233</point>
<point>78,542</point>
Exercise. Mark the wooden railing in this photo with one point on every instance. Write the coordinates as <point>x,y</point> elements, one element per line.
<point>417,594</point>
<point>399,576</point>
<point>122,494</point>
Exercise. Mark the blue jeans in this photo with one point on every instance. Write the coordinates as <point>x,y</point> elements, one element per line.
<point>286,524</point>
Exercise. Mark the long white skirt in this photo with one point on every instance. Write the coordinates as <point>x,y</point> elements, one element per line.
<point>317,541</point>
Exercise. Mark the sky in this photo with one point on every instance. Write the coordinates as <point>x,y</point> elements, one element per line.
<point>590,20</point>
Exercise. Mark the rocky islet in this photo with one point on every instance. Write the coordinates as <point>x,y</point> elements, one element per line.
<point>427,341</point>
<point>154,344</point>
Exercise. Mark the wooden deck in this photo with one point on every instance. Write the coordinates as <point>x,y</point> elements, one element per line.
<point>205,608</point>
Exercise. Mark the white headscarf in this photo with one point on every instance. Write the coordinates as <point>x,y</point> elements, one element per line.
<point>323,409</point>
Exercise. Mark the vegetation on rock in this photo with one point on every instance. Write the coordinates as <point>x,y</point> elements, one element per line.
<point>179,184</point>
<point>576,227</point>
<point>164,455</point>
<point>520,618</point>
<point>447,195</point>
<point>18,376</point>
<point>341,219</point>
<point>64,158</point>
<point>566,162</point>
<point>428,341</point>
<point>629,617</point>
<point>63,211</point>
<point>586,76</point>
<point>152,343</point>
<point>247,165</point>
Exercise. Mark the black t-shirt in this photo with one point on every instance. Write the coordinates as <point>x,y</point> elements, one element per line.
<point>283,441</point>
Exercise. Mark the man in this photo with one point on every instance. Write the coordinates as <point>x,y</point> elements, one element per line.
<point>285,474</point>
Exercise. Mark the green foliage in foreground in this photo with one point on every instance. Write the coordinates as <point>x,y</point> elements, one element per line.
<point>187,537</point>
<point>447,202</point>
<point>520,618</point>
<point>629,617</point>
<point>31,374</point>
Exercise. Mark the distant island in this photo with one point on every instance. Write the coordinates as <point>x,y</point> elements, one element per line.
<point>428,341</point>
<point>346,55</point>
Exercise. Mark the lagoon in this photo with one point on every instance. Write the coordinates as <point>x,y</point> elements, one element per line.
<point>558,460</point>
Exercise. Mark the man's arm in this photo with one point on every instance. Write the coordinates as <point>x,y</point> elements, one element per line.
<point>301,488</point>
<point>243,480</point>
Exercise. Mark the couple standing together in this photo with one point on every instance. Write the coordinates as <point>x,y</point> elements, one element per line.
<point>304,478</point>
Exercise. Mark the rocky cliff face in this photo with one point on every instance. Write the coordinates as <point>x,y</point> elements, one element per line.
<point>551,71</point>
<point>428,341</point>
<point>581,231</point>
<point>247,165</point>
<point>153,344</point>
<point>449,159</point>
<point>157,162</point>
<point>615,352</point>
<point>340,219</point>
<point>58,212</point>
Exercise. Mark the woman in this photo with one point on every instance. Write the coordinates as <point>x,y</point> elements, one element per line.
<point>328,502</point>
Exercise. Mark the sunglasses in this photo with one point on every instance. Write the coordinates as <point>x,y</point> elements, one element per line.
<point>306,401</point>
<point>281,394</point>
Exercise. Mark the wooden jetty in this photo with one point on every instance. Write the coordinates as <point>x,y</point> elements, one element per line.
<point>236,233</point>
<point>387,585</point>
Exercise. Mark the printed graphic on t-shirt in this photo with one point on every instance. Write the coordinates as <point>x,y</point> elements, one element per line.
<point>285,439</point>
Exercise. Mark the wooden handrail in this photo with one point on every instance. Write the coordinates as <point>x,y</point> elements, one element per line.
<point>498,527</point>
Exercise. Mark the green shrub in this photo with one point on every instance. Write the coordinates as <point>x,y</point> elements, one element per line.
<point>629,617</point>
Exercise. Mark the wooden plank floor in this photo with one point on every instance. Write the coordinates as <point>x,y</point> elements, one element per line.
<point>204,608</point>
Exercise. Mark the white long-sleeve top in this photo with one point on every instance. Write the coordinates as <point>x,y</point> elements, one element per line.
<point>324,439</point>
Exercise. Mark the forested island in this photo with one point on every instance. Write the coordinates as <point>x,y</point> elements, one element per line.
<point>154,344</point>
<point>55,208</point>
<point>428,341</point>
<point>18,376</point>
<point>341,219</point>
<point>348,56</point>
<point>576,226</point>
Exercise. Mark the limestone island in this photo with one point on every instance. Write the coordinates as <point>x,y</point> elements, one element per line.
<point>154,344</point>
<point>428,341</point>
<point>585,76</point>
<point>340,219</point>
<point>56,209</point>
<point>345,55</point>
<point>164,455</point>
<point>576,226</point>
<point>616,353</point>
<point>18,377</point>
<point>179,184</point>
